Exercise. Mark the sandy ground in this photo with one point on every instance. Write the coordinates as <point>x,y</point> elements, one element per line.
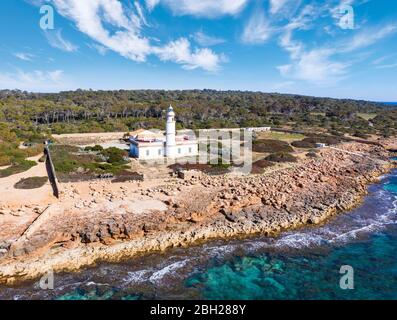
<point>17,197</point>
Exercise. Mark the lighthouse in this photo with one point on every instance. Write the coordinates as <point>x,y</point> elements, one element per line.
<point>148,145</point>
<point>170,143</point>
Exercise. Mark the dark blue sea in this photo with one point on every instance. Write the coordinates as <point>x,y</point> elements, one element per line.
<point>303,264</point>
<point>390,103</point>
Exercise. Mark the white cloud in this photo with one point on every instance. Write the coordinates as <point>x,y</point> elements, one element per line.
<point>257,30</point>
<point>324,64</point>
<point>369,37</point>
<point>315,66</point>
<point>320,65</point>
<point>387,66</point>
<point>24,56</point>
<point>91,17</point>
<point>201,8</point>
<point>101,49</point>
<point>180,52</point>
<point>33,81</point>
<point>294,48</point>
<point>276,5</point>
<point>56,40</point>
<point>205,40</point>
<point>140,13</point>
<point>150,4</point>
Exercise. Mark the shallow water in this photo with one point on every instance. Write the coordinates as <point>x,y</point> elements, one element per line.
<point>301,264</point>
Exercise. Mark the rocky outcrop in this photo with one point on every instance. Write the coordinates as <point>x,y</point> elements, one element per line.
<point>111,226</point>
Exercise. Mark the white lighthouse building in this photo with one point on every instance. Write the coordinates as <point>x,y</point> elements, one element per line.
<point>170,133</point>
<point>149,145</point>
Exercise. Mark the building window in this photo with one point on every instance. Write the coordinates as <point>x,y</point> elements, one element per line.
<point>179,150</point>
<point>159,152</point>
<point>190,150</point>
<point>147,152</point>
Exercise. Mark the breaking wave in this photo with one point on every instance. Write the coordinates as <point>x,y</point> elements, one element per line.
<point>160,274</point>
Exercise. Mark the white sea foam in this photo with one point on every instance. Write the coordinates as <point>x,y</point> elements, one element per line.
<point>137,276</point>
<point>220,251</point>
<point>336,233</point>
<point>160,274</point>
<point>300,240</point>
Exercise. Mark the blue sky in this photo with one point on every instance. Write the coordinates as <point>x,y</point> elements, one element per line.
<point>309,47</point>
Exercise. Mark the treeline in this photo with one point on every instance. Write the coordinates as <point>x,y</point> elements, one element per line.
<point>123,110</point>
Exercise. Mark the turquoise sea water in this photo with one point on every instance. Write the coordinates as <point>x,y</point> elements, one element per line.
<point>302,264</point>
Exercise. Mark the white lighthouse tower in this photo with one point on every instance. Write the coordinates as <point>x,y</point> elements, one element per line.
<point>170,143</point>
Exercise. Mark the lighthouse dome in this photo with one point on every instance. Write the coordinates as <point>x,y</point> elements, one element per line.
<point>170,110</point>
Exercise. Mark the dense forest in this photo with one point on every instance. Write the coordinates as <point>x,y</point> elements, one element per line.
<point>30,115</point>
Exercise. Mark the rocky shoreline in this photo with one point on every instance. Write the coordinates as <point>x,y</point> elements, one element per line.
<point>104,225</point>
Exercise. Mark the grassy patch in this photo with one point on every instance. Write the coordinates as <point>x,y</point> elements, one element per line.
<point>22,166</point>
<point>281,136</point>
<point>11,154</point>
<point>31,183</point>
<point>271,146</point>
<point>329,140</point>
<point>73,162</point>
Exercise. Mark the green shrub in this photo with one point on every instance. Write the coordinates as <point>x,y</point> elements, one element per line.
<point>11,154</point>
<point>22,166</point>
<point>65,165</point>
<point>281,157</point>
<point>96,148</point>
<point>5,160</point>
<point>221,164</point>
<point>361,135</point>
<point>102,168</point>
<point>258,166</point>
<point>31,183</point>
<point>311,155</point>
<point>33,151</point>
<point>271,146</point>
<point>115,155</point>
<point>303,144</point>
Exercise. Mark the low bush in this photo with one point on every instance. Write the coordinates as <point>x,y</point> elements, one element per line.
<point>258,166</point>
<point>67,159</point>
<point>361,135</point>
<point>115,155</point>
<point>303,144</point>
<point>311,155</point>
<point>31,183</point>
<point>5,160</point>
<point>103,168</point>
<point>271,146</point>
<point>96,148</point>
<point>33,151</point>
<point>281,157</point>
<point>21,166</point>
